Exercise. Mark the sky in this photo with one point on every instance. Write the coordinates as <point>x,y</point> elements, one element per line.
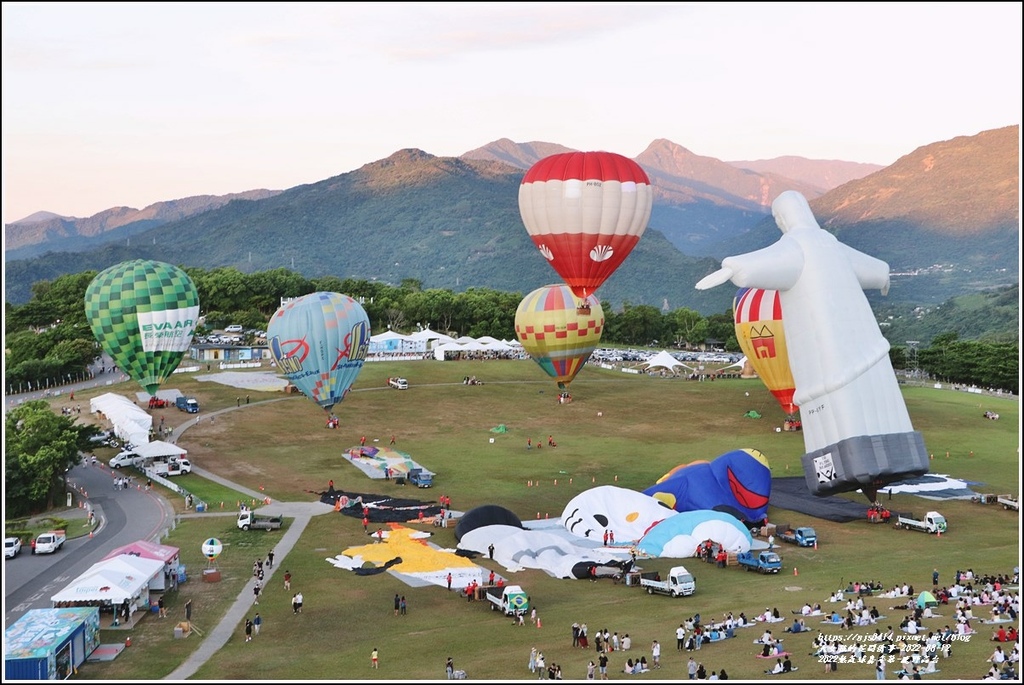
<point>127,104</point>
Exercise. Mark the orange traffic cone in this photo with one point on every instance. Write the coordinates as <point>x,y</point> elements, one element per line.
<point>128,641</point>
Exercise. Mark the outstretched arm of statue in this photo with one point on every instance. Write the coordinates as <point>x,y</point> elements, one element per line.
<point>717,278</point>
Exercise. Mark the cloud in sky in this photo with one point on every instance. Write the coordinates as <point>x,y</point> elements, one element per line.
<point>130,104</point>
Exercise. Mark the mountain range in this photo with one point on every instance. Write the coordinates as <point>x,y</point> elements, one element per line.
<point>945,217</point>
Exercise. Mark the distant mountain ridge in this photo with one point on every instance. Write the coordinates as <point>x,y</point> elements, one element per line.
<point>453,222</point>
<point>42,231</point>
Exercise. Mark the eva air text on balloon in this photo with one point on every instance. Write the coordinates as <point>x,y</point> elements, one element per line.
<point>169,330</point>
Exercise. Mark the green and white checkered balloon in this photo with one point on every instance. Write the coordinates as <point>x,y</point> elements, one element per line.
<point>144,314</point>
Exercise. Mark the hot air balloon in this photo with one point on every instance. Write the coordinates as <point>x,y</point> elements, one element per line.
<point>758,317</point>
<point>319,341</point>
<point>556,334</point>
<point>585,212</point>
<point>143,313</point>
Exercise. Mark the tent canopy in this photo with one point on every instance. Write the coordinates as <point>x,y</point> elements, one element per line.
<point>146,550</point>
<point>159,448</point>
<point>927,599</point>
<point>111,580</point>
<point>130,422</point>
<point>664,360</point>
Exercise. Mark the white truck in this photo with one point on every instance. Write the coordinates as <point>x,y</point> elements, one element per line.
<point>933,522</point>
<point>1009,502</point>
<point>680,583</point>
<point>509,599</point>
<point>248,520</point>
<point>398,383</point>
<point>48,543</point>
<point>170,467</point>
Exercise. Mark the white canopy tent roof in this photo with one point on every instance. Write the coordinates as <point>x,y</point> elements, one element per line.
<point>427,334</point>
<point>664,360</point>
<point>112,580</point>
<point>159,448</point>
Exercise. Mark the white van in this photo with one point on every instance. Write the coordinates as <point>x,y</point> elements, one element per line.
<point>233,328</point>
<point>123,459</point>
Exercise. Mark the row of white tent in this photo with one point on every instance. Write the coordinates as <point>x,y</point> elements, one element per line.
<point>427,340</point>
<point>132,424</point>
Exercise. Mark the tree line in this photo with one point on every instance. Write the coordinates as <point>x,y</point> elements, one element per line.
<point>48,340</point>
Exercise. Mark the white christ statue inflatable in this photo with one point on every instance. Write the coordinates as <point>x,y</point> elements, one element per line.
<point>857,432</point>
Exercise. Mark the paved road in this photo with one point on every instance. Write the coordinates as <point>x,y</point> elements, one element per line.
<point>124,517</point>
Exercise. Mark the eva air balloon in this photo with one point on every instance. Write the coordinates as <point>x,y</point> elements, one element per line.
<point>557,333</point>
<point>319,342</point>
<point>143,313</point>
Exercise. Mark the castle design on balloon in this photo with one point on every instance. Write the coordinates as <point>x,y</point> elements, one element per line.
<point>857,432</point>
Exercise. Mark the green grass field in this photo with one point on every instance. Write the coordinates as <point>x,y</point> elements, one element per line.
<point>620,429</point>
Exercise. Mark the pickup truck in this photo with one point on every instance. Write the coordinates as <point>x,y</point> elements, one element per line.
<point>171,467</point>
<point>48,543</point>
<point>398,383</point>
<point>508,599</point>
<point>803,536</point>
<point>12,547</point>
<point>762,562</point>
<point>187,404</point>
<point>1009,502</point>
<point>247,520</point>
<point>420,478</point>
<point>933,522</point>
<point>680,583</point>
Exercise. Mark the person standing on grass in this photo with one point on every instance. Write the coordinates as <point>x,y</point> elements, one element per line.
<point>248,630</point>
<point>287,580</point>
<point>257,621</point>
<point>449,669</point>
<point>402,605</point>
<point>374,657</point>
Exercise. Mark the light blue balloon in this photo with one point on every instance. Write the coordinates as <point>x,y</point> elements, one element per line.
<point>319,342</point>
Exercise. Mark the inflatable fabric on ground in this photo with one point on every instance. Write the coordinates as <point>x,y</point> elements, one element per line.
<point>678,536</point>
<point>380,508</point>
<point>552,552</point>
<point>856,428</point>
<point>738,483</point>
<point>486,515</point>
<point>627,514</point>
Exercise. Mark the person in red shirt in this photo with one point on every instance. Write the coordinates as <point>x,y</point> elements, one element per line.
<point>366,523</point>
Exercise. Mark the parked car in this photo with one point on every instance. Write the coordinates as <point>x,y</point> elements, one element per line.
<point>12,547</point>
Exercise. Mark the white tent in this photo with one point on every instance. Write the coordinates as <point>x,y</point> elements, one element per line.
<point>115,580</point>
<point>738,365</point>
<point>159,448</point>
<point>664,360</point>
<point>129,421</point>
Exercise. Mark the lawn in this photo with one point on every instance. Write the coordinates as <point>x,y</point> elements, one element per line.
<point>620,429</point>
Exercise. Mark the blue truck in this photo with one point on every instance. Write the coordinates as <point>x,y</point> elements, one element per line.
<point>187,404</point>
<point>803,536</point>
<point>762,562</point>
